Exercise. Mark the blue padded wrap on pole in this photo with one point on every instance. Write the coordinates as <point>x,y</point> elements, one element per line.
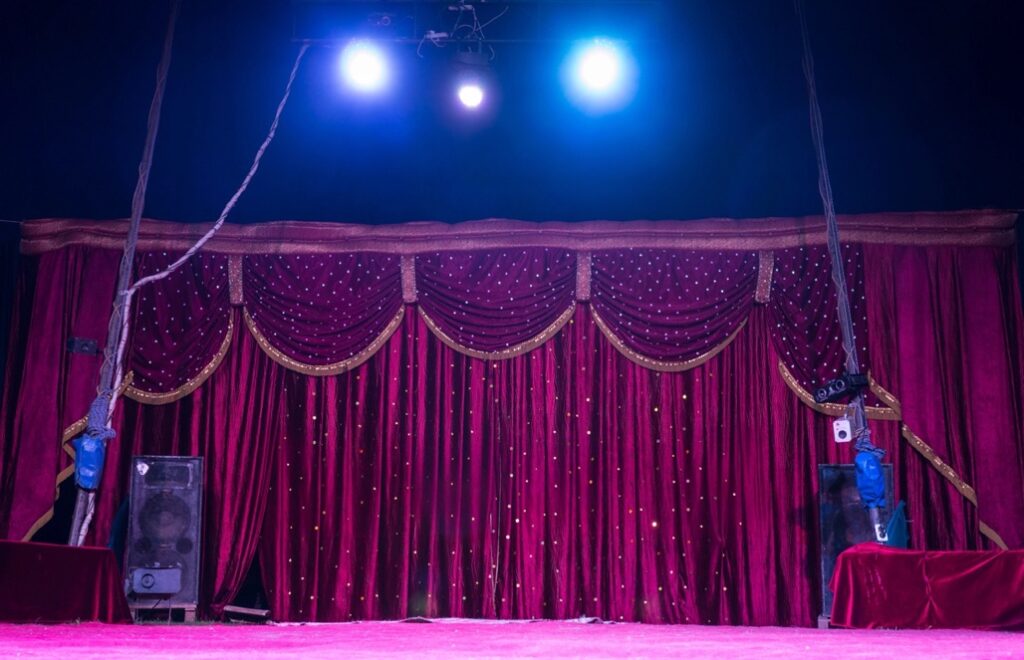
<point>870,480</point>
<point>91,446</point>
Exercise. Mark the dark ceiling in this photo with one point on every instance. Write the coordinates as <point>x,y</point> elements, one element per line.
<point>922,108</point>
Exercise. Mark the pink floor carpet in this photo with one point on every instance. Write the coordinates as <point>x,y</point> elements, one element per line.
<point>471,639</point>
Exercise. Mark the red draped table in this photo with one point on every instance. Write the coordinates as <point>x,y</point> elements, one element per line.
<point>44,583</point>
<point>876,586</point>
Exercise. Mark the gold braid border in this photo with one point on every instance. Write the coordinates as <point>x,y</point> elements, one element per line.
<point>889,412</point>
<point>894,412</point>
<point>236,281</point>
<point>190,386</point>
<point>659,365</point>
<point>765,271</point>
<point>324,369</point>
<point>952,477</point>
<point>506,353</point>
<point>69,434</point>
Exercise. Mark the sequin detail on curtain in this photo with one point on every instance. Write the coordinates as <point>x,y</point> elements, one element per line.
<point>182,326</point>
<point>496,304</point>
<point>670,310</point>
<point>322,314</point>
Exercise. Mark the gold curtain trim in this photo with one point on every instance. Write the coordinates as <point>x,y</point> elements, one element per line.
<point>765,272</point>
<point>409,278</point>
<point>944,468</point>
<point>236,285</point>
<point>324,369</point>
<point>584,259</point>
<point>992,535</point>
<point>990,227</point>
<point>885,396</point>
<point>660,365</point>
<point>888,413</point>
<point>952,477</point>
<point>69,434</point>
<point>190,386</point>
<point>505,353</point>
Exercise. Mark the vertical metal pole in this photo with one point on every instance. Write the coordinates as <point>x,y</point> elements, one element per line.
<point>84,500</point>
<point>861,432</point>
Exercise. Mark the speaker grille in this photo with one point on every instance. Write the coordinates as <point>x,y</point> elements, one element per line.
<point>162,563</point>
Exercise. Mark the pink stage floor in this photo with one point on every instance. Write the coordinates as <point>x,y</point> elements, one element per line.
<point>474,639</point>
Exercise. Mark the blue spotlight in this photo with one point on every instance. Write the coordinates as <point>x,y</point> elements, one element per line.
<point>600,75</point>
<point>364,66</point>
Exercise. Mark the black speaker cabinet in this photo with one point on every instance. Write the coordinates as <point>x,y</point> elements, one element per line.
<point>844,520</point>
<point>165,520</point>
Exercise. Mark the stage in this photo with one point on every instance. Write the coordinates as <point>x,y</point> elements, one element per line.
<point>476,639</point>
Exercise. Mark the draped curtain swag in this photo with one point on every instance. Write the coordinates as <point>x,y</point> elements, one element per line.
<point>614,364</point>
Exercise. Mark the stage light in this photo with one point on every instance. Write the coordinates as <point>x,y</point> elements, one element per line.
<point>364,66</point>
<point>599,67</point>
<point>472,77</point>
<point>600,75</point>
<point>471,95</point>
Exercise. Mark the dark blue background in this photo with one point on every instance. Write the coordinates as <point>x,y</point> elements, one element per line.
<point>921,101</point>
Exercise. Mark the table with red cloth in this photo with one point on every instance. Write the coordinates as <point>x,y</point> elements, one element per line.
<point>45,583</point>
<point>876,586</point>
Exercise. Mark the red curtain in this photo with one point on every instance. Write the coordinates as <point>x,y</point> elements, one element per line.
<point>563,482</point>
<point>382,471</point>
<point>61,294</point>
<point>946,335</point>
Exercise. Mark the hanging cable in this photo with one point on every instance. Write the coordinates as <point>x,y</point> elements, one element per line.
<point>130,292</point>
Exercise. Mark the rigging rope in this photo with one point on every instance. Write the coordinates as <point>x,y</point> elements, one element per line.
<point>870,476</point>
<point>90,448</point>
<point>861,431</point>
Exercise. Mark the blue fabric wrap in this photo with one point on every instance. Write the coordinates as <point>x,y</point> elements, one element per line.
<point>870,480</point>
<point>91,446</point>
<point>90,451</point>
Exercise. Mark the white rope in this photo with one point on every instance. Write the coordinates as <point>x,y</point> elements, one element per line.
<point>129,293</point>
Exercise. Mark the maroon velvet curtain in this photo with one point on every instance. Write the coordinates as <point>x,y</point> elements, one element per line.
<point>180,322</point>
<point>62,294</point>
<point>491,301</point>
<point>947,338</point>
<point>562,481</point>
<point>319,309</point>
<point>673,305</point>
<point>568,481</point>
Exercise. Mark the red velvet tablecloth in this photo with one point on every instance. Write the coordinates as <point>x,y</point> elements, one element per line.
<point>876,586</point>
<point>45,583</point>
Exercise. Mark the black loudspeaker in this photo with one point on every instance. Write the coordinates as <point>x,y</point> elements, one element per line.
<point>165,519</point>
<point>844,520</point>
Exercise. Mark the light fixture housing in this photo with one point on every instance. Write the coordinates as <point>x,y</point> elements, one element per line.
<point>472,77</point>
